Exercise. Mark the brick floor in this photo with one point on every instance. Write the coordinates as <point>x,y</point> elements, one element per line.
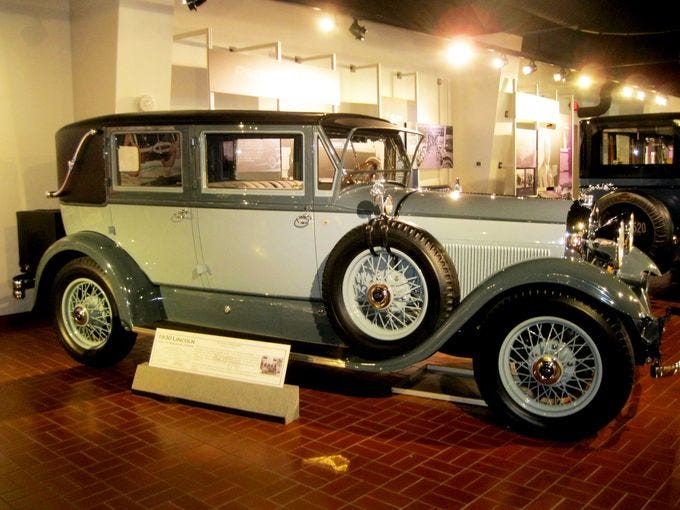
<point>76,437</point>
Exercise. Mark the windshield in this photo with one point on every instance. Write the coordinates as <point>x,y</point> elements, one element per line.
<point>371,154</point>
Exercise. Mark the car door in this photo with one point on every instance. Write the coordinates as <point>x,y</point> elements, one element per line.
<point>255,221</point>
<point>150,215</point>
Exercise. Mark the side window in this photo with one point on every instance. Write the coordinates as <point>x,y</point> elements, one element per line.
<point>634,146</point>
<point>325,168</point>
<point>259,161</point>
<point>147,159</point>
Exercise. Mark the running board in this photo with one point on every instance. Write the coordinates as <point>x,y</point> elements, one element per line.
<point>451,383</point>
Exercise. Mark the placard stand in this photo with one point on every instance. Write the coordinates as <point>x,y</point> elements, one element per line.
<point>273,401</point>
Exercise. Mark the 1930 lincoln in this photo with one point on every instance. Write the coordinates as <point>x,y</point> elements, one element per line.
<point>302,228</point>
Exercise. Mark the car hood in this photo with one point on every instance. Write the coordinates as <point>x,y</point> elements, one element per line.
<point>447,204</point>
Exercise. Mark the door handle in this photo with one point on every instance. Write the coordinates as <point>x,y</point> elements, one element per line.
<point>181,214</point>
<point>303,220</point>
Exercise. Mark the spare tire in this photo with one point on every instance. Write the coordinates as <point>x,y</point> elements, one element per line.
<point>387,287</point>
<point>653,223</point>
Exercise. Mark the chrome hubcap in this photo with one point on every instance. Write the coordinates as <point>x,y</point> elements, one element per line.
<point>547,370</point>
<point>379,296</point>
<point>80,315</point>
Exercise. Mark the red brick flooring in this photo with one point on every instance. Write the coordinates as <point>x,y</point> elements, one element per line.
<point>76,437</point>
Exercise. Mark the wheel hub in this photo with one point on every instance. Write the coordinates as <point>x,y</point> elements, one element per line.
<point>547,370</point>
<point>379,296</point>
<point>80,315</point>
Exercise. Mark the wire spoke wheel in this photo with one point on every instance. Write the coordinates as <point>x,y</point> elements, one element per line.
<point>385,293</point>
<point>87,313</point>
<point>387,286</point>
<point>550,366</point>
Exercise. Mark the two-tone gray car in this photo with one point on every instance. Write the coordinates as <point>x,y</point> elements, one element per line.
<point>303,228</point>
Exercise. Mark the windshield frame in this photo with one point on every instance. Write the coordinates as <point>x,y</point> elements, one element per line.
<point>378,129</point>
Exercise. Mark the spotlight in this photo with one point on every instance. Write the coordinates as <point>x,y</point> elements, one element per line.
<point>326,23</point>
<point>193,4</point>
<point>358,31</point>
<point>460,52</point>
<point>499,61</point>
<point>561,75</point>
<point>584,81</point>
<point>529,68</point>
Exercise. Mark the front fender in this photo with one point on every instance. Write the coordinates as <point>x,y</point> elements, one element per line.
<point>574,274</point>
<point>137,299</point>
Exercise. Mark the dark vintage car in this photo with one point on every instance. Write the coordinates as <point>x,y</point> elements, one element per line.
<point>302,228</point>
<point>629,165</point>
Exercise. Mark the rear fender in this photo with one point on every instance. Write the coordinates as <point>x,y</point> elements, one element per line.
<point>138,300</point>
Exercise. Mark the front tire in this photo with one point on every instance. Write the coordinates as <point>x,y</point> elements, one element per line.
<point>554,365</point>
<point>86,316</point>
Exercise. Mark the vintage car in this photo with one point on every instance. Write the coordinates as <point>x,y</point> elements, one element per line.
<point>627,166</point>
<point>302,228</point>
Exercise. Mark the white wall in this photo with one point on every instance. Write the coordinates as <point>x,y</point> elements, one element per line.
<point>94,25</point>
<point>122,50</point>
<point>144,53</point>
<point>36,99</point>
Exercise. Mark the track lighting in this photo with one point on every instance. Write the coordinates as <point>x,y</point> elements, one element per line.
<point>529,68</point>
<point>193,4</point>
<point>358,31</point>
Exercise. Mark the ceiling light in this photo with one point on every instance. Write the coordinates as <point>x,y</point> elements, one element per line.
<point>499,61</point>
<point>459,52</point>
<point>627,91</point>
<point>661,100</point>
<point>193,4</point>
<point>584,81</point>
<point>640,95</point>
<point>529,68</point>
<point>326,23</point>
<point>358,31</point>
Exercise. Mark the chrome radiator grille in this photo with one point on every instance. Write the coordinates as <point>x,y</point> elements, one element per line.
<point>474,263</point>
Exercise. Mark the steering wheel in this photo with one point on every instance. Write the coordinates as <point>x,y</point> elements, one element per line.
<point>367,169</point>
<point>363,173</point>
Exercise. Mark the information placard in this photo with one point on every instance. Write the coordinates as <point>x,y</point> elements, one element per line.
<point>218,356</point>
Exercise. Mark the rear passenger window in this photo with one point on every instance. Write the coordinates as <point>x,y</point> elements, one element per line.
<point>147,159</point>
<point>638,146</point>
<point>260,162</point>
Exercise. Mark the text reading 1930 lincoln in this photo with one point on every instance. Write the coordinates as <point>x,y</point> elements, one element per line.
<point>302,228</point>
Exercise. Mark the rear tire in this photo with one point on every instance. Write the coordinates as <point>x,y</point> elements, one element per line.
<point>86,316</point>
<point>553,365</point>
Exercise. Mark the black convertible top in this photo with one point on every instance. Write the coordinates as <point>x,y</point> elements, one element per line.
<point>245,117</point>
